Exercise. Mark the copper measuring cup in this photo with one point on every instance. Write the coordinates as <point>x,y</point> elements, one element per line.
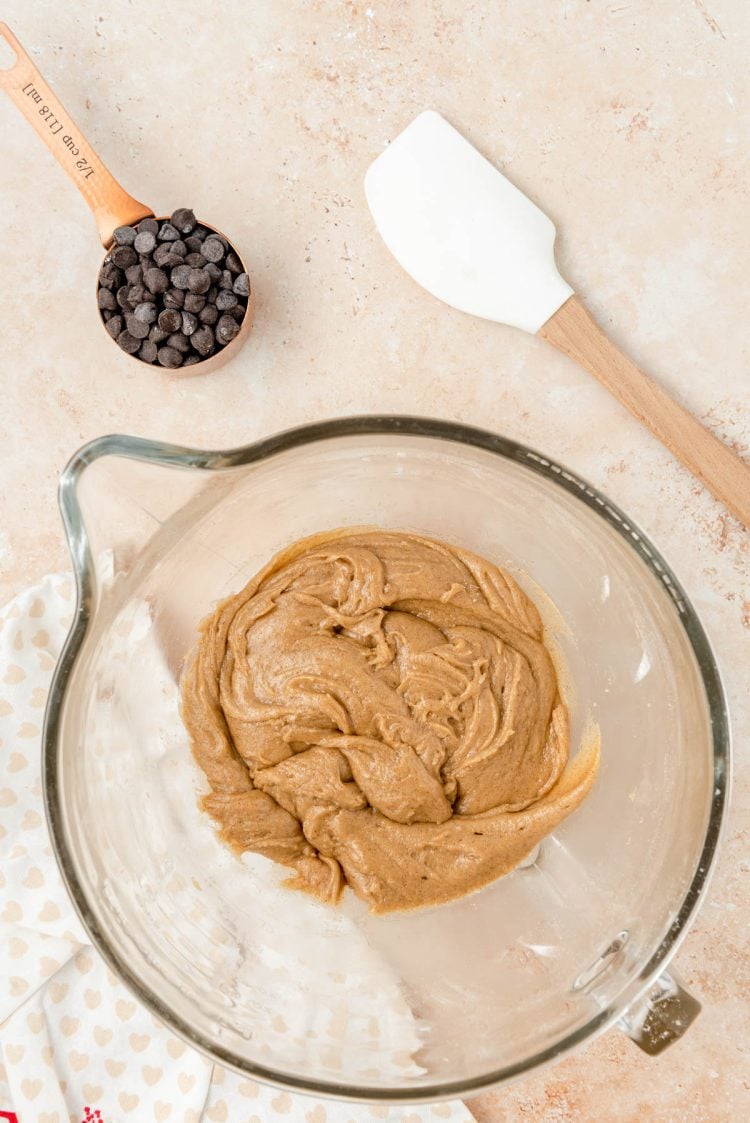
<point>110,204</point>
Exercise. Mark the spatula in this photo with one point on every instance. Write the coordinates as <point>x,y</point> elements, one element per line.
<point>472,239</point>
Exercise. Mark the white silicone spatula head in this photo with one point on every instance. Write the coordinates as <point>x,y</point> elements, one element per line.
<point>460,229</point>
<point>474,240</point>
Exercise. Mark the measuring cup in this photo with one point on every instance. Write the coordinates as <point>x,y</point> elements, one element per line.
<point>109,202</point>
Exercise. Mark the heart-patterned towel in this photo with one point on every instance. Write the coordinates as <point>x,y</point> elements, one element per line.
<point>76,1046</point>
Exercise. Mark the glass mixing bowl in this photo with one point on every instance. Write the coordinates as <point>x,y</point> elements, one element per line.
<point>416,1006</point>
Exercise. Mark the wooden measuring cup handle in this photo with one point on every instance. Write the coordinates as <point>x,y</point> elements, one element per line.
<point>110,204</point>
<point>574,331</point>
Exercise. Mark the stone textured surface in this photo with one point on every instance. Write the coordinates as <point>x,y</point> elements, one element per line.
<point>627,120</point>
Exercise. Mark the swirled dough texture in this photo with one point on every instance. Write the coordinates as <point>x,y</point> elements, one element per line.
<point>379,710</point>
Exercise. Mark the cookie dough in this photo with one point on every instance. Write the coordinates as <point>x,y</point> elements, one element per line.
<point>379,710</point>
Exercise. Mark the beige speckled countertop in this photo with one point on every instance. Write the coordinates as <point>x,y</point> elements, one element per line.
<point>627,120</point>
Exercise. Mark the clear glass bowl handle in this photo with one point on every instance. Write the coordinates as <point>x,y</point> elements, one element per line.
<point>116,492</point>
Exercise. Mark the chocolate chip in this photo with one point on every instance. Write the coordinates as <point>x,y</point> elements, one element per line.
<point>145,242</point>
<point>106,300</point>
<point>170,320</point>
<point>193,244</point>
<point>195,260</point>
<point>212,249</point>
<point>194,302</point>
<point>183,220</point>
<point>234,263</point>
<point>124,256</point>
<point>156,280</point>
<point>203,340</point>
<point>189,323</point>
<point>148,226</point>
<point>123,297</point>
<point>199,281</point>
<point>146,312</point>
<point>169,357</point>
<point>164,258</point>
<point>134,274</point>
<point>213,271</point>
<point>109,276</point>
<point>227,280</point>
<point>225,300</point>
<point>191,360</point>
<point>175,298</point>
<point>147,351</point>
<point>226,330</point>
<point>114,326</point>
<point>238,312</point>
<point>241,285</point>
<point>137,294</point>
<point>179,248</point>
<point>212,294</point>
<point>167,233</point>
<point>180,276</point>
<point>124,235</point>
<point>128,342</point>
<point>179,341</point>
<point>209,314</point>
<point>157,335</point>
<point>135,326</point>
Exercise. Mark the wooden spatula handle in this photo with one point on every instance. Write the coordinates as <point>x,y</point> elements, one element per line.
<point>24,85</point>
<point>574,331</point>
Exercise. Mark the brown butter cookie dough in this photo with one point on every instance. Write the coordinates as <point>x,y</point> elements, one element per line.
<point>379,710</point>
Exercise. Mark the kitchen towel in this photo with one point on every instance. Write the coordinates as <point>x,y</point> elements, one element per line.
<point>76,1046</point>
